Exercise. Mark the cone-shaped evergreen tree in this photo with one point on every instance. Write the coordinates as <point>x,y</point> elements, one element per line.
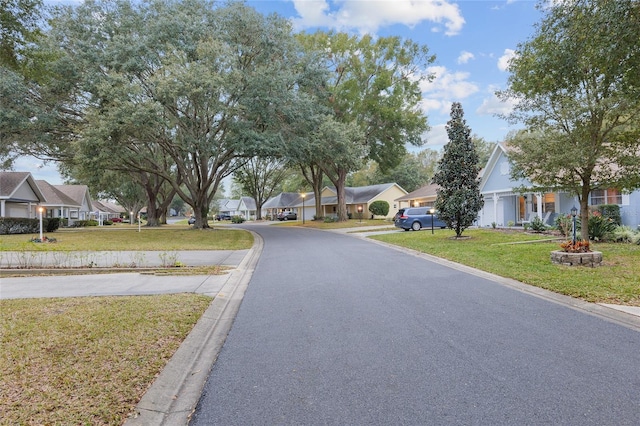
<point>458,198</point>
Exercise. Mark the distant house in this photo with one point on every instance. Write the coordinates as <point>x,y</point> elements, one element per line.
<point>245,207</point>
<point>355,197</point>
<point>20,195</point>
<point>286,201</point>
<point>504,203</point>
<point>105,210</point>
<point>421,197</point>
<point>71,202</point>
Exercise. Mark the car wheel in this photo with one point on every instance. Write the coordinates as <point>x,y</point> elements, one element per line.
<point>416,226</point>
<point>286,218</point>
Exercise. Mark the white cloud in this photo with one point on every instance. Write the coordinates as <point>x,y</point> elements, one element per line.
<point>465,57</point>
<point>41,170</point>
<point>437,137</point>
<point>363,17</point>
<point>503,61</point>
<point>492,105</point>
<point>446,88</point>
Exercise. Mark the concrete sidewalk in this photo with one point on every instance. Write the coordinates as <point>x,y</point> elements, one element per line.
<point>122,259</point>
<point>175,392</point>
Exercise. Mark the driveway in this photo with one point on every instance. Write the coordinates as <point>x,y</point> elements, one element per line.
<point>336,330</point>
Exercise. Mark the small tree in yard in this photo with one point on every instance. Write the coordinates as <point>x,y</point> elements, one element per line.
<point>379,208</point>
<point>458,198</point>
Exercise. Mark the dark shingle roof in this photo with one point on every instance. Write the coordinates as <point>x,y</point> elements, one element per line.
<point>54,196</point>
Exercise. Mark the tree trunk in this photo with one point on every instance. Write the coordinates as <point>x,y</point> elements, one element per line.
<point>340,189</point>
<point>584,217</point>
<point>313,175</point>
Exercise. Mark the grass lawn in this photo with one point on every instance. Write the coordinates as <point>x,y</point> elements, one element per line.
<point>617,281</point>
<point>87,360</point>
<point>127,237</point>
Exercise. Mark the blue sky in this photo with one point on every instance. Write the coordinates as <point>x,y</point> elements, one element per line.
<point>472,41</point>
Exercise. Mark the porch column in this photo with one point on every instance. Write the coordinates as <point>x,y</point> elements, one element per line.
<point>539,213</point>
<point>2,207</point>
<point>495,207</point>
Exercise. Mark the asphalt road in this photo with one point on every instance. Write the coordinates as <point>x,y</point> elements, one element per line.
<point>335,330</point>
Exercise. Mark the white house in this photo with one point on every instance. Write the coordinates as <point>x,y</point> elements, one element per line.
<point>20,195</point>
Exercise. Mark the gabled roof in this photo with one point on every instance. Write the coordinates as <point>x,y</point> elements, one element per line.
<point>364,194</point>
<point>284,199</point>
<point>231,205</point>
<point>54,196</point>
<point>10,183</point>
<point>426,191</point>
<point>107,207</point>
<point>77,193</point>
<point>248,202</point>
<point>353,195</point>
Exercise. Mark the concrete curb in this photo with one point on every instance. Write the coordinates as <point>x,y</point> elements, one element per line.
<point>174,394</point>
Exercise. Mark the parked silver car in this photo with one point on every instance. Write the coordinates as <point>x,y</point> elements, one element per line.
<point>287,216</point>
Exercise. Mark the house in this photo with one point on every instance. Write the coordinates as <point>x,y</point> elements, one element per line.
<point>245,207</point>
<point>504,203</point>
<point>20,195</point>
<point>105,210</point>
<point>421,197</point>
<point>355,197</point>
<point>71,202</point>
<point>287,201</point>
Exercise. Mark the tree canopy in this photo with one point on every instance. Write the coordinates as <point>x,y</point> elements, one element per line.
<point>374,86</point>
<point>577,87</point>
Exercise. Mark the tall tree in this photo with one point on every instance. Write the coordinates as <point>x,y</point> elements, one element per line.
<point>204,85</point>
<point>260,178</point>
<point>339,151</point>
<point>375,85</point>
<point>19,27</point>
<point>458,199</point>
<point>577,86</point>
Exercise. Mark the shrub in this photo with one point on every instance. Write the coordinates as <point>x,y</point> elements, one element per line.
<point>600,228</point>
<point>611,211</point>
<point>329,219</point>
<point>537,225</point>
<point>578,247</point>
<point>51,224</point>
<point>83,223</point>
<point>379,208</point>
<point>564,224</point>
<point>237,219</point>
<point>18,225</point>
<point>624,234</point>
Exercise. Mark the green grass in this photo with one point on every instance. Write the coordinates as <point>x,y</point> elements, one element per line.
<point>616,281</point>
<point>87,360</point>
<point>126,237</point>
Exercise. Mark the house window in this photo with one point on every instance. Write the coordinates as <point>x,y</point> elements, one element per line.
<point>605,196</point>
<point>549,203</point>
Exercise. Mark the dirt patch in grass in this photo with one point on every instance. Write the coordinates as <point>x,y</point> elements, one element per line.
<point>87,360</point>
